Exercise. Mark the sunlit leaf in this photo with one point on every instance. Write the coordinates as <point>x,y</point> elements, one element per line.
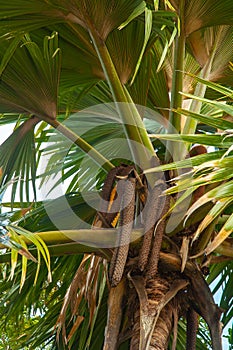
<point>225,232</point>
<point>215,122</point>
<point>222,191</point>
<point>212,215</point>
<point>136,12</point>
<point>214,86</point>
<point>218,105</point>
<point>205,139</point>
<point>189,162</point>
<point>38,242</point>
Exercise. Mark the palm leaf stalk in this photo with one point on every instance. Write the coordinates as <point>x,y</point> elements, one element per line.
<point>207,70</point>
<point>177,83</point>
<point>131,119</point>
<point>82,144</point>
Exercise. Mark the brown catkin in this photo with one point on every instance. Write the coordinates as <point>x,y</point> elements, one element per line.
<point>108,215</point>
<point>127,188</point>
<point>157,242</point>
<point>153,209</point>
<point>192,326</point>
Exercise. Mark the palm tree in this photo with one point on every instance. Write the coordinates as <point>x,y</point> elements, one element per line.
<point>124,96</point>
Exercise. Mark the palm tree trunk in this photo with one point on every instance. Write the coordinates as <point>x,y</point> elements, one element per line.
<point>163,329</point>
<point>156,289</point>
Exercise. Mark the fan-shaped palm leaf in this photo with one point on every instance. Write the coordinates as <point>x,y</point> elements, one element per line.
<point>30,81</point>
<point>198,15</point>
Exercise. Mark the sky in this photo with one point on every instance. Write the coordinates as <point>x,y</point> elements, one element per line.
<point>5,131</point>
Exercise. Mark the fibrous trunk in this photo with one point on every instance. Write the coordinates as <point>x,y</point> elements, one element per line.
<point>156,289</point>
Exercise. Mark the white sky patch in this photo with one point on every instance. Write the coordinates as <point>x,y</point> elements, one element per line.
<point>5,131</point>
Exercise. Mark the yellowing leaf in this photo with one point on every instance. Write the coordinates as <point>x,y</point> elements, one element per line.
<point>211,216</point>
<point>225,232</point>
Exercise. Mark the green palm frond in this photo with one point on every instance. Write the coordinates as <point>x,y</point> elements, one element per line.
<point>80,98</point>
<point>38,242</point>
<point>189,163</point>
<point>125,54</point>
<point>44,217</point>
<point>211,172</point>
<point>13,237</point>
<point>10,52</point>
<point>75,41</point>
<point>205,119</point>
<point>25,17</point>
<point>29,83</point>
<point>18,160</point>
<point>159,84</point>
<point>76,47</point>
<point>208,45</point>
<point>87,15</point>
<point>12,118</point>
<point>219,277</point>
<point>32,298</point>
<point>72,163</point>
<point>139,90</point>
<point>64,271</point>
<point>217,141</point>
<point>201,14</point>
<point>225,92</point>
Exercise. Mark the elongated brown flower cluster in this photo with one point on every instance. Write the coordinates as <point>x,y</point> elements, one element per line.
<point>122,188</point>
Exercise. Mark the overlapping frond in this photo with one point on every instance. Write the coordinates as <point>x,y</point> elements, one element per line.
<point>18,161</point>
<point>60,56</point>
<point>199,14</point>
<point>29,82</point>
